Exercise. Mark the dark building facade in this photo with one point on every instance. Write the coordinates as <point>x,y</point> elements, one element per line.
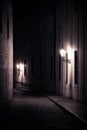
<point>6,50</point>
<point>71,37</point>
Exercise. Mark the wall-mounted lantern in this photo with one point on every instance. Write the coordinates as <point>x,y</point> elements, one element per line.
<point>64,55</point>
<point>20,66</point>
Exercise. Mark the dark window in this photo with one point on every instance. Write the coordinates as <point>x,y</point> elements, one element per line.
<point>0,16</point>
<point>66,68</point>
<point>59,67</point>
<point>24,71</point>
<point>25,67</point>
<point>59,34</point>
<point>32,67</point>
<point>76,68</point>
<point>51,67</point>
<point>7,26</point>
<point>76,3</point>
<point>67,11</point>
<point>41,67</point>
<point>25,62</point>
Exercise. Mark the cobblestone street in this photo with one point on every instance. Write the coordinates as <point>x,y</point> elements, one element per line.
<point>36,112</point>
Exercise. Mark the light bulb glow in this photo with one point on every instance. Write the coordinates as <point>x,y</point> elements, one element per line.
<point>62,52</point>
<point>18,66</point>
<point>21,66</point>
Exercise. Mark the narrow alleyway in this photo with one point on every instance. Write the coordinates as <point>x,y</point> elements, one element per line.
<point>36,112</point>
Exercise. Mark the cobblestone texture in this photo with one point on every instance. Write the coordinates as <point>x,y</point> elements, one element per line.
<point>38,113</point>
<point>74,107</point>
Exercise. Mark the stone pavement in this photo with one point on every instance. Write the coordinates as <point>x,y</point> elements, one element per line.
<point>77,109</point>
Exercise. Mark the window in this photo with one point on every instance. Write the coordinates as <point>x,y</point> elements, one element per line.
<point>59,31</point>
<point>25,68</point>
<point>32,67</point>
<point>76,3</point>
<point>51,67</point>
<point>67,11</point>
<point>75,67</point>
<point>7,26</point>
<point>66,68</point>
<point>59,67</point>
<point>41,67</point>
<point>0,16</point>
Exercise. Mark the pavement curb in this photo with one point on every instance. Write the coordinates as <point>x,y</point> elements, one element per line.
<point>66,109</point>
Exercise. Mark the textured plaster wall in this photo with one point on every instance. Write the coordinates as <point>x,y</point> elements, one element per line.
<point>6,55</point>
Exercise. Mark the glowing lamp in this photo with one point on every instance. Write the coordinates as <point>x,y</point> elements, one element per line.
<point>21,66</point>
<point>62,53</point>
<point>18,66</point>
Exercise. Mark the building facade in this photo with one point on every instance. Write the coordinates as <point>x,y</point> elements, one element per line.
<point>6,50</point>
<point>71,36</point>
